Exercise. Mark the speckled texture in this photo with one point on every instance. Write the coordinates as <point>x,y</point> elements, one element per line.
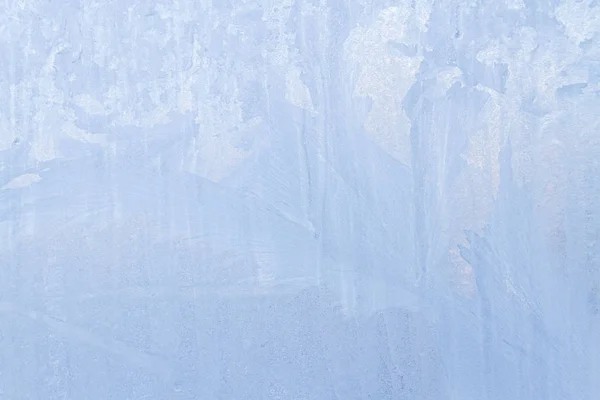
<point>299,199</point>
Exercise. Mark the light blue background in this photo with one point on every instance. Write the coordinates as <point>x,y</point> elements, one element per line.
<point>299,199</point>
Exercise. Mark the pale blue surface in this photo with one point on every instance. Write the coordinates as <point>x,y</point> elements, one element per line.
<point>296,199</point>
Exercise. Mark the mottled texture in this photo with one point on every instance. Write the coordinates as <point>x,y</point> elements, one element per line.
<point>300,199</point>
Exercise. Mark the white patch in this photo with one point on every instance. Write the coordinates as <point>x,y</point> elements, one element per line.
<point>448,77</point>
<point>296,91</point>
<point>514,4</point>
<point>491,54</point>
<point>484,146</point>
<point>213,156</point>
<point>74,132</point>
<point>90,105</point>
<point>275,17</point>
<point>22,181</point>
<point>7,135</point>
<point>216,150</point>
<point>385,77</point>
<point>581,21</point>
<point>44,148</point>
<point>422,13</point>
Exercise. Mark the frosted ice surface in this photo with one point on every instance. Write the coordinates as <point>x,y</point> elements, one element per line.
<point>300,199</point>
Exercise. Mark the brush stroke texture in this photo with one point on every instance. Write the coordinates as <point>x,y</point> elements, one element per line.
<point>299,199</point>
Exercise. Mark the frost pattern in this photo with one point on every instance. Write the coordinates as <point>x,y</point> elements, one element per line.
<point>299,199</point>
